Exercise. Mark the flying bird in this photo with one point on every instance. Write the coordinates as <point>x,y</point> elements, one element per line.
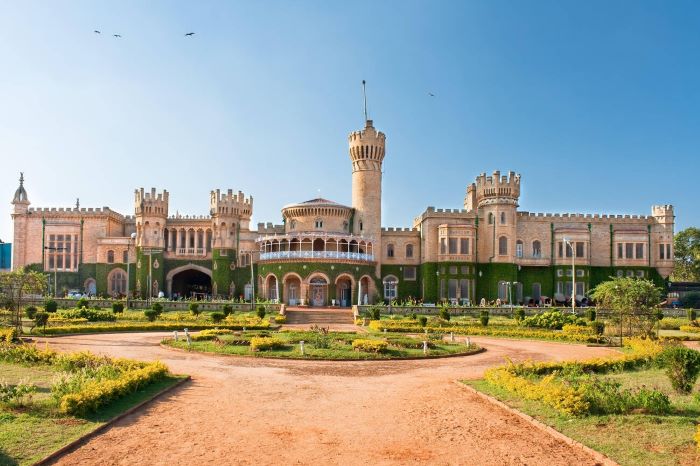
<point>431,94</point>
<point>189,34</point>
<point>97,32</point>
<point>117,35</point>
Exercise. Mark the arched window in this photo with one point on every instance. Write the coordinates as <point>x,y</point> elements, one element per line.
<point>390,250</point>
<point>536,249</point>
<point>391,287</point>
<point>503,218</point>
<point>502,246</point>
<point>519,248</point>
<point>117,282</point>
<point>409,250</point>
<point>125,256</point>
<point>110,257</point>
<point>292,224</point>
<point>318,223</point>
<point>490,218</point>
<point>361,225</point>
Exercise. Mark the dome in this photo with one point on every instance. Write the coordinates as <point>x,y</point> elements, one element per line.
<point>21,193</point>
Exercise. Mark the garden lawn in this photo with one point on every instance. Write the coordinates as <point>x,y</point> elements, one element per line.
<point>629,439</point>
<point>30,433</point>
<point>338,347</point>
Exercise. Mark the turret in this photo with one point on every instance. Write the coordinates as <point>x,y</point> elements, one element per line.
<point>367,149</point>
<point>20,200</point>
<point>151,211</point>
<point>228,211</point>
<point>495,198</point>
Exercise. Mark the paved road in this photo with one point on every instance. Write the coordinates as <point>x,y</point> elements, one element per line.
<point>254,411</point>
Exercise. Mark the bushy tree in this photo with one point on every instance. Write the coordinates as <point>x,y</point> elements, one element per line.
<point>686,245</point>
<point>15,286</point>
<point>682,367</point>
<point>635,300</point>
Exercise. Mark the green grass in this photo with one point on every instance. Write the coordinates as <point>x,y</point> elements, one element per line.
<point>629,439</point>
<point>28,434</point>
<point>339,348</point>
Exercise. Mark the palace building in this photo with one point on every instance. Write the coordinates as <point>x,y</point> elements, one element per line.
<point>326,253</point>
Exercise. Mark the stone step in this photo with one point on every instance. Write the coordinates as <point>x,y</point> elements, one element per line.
<point>333,316</point>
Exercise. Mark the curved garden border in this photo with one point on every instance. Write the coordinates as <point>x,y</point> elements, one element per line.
<point>407,358</point>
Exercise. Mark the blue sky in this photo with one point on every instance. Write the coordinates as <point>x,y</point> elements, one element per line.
<point>595,103</point>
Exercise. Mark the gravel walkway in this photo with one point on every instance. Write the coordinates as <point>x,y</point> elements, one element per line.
<point>246,411</point>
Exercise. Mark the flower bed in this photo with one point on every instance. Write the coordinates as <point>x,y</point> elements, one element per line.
<point>150,326</point>
<point>405,326</point>
<point>370,346</point>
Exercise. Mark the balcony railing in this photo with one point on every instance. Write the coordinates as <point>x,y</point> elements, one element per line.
<point>355,256</point>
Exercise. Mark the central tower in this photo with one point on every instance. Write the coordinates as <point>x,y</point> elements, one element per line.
<point>367,154</point>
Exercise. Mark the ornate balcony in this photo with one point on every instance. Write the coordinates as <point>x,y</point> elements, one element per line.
<point>353,256</point>
<point>316,245</point>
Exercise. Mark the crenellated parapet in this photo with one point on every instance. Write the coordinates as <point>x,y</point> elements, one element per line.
<point>230,204</point>
<point>492,190</point>
<point>367,148</point>
<point>151,203</point>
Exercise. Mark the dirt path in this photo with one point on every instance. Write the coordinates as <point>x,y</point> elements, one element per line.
<point>253,411</point>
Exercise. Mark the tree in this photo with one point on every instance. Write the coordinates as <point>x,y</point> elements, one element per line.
<point>686,245</point>
<point>15,287</point>
<point>631,299</point>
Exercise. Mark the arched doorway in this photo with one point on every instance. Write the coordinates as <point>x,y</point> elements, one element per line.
<point>272,288</point>
<point>318,291</point>
<point>192,282</point>
<point>90,287</point>
<point>292,289</point>
<point>366,290</point>
<point>343,290</point>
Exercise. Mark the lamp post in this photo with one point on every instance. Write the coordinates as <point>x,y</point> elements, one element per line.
<point>55,270</point>
<point>573,275</point>
<point>128,263</point>
<point>437,292</point>
<point>252,279</point>
<point>510,295</point>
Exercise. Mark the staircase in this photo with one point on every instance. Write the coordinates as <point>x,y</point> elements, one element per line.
<point>320,316</point>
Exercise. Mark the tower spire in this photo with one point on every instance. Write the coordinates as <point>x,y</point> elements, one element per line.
<point>364,96</point>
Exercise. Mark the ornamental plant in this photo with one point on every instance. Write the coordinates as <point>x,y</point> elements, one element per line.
<point>50,305</point>
<point>158,307</point>
<point>261,312</point>
<point>682,367</point>
<point>117,308</point>
<point>591,314</point>
<point>634,299</point>
<point>519,315</point>
<point>227,309</point>
<point>422,320</point>
<point>375,312</point>
<point>82,302</point>
<point>217,317</point>
<point>484,318</point>
<point>41,319</point>
<point>444,314</point>
<point>194,309</point>
<point>30,312</point>
<point>151,314</point>
<point>692,314</point>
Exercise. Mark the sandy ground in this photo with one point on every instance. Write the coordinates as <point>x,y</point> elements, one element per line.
<point>253,411</point>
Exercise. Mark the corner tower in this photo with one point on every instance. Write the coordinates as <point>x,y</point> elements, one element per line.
<point>20,204</point>
<point>367,149</point>
<point>151,211</point>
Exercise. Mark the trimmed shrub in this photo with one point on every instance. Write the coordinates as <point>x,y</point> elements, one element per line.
<point>210,334</point>
<point>484,318</point>
<point>519,315</point>
<point>554,320</point>
<point>598,327</point>
<point>280,319</point>
<point>265,343</point>
<point>591,314</point>
<point>260,312</point>
<point>422,320</point>
<point>41,319</point>
<point>227,309</point>
<point>412,316</point>
<point>117,308</point>
<point>30,312</point>
<point>92,315</point>
<point>444,314</point>
<point>682,367</point>
<point>158,307</point>
<point>217,317</point>
<point>194,309</point>
<point>692,314</point>
<point>370,346</point>
<point>50,305</point>
<point>408,342</point>
<point>82,302</point>
<point>151,314</point>
<point>375,313</point>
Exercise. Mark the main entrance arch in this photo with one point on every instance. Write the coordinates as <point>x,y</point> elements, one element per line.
<point>318,291</point>
<point>189,281</point>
